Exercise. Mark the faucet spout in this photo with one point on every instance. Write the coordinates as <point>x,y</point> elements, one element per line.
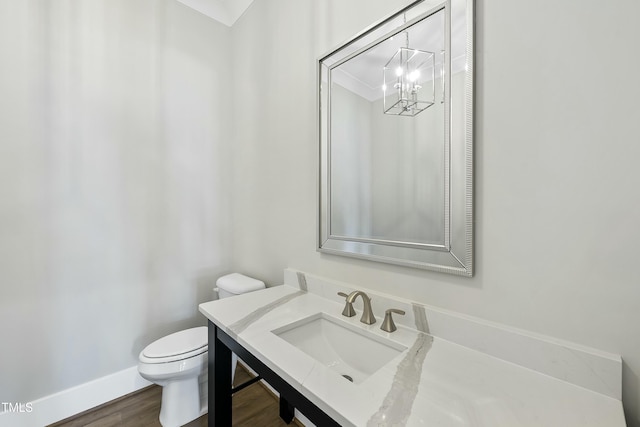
<point>367,313</point>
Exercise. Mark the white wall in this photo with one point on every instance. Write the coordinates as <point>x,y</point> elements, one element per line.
<point>556,202</point>
<point>383,183</point>
<point>114,205</point>
<point>351,204</point>
<point>408,178</point>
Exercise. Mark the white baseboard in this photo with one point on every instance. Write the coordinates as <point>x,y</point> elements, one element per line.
<point>72,401</point>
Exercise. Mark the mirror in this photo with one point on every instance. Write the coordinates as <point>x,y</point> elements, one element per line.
<point>396,140</point>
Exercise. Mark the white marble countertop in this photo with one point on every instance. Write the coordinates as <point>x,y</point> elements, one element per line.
<point>434,382</point>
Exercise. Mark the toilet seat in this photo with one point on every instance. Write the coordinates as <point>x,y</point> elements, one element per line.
<point>177,346</point>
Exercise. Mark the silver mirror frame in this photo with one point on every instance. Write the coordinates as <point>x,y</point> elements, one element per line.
<point>456,257</point>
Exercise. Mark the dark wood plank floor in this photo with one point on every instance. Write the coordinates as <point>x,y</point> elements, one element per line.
<point>252,406</point>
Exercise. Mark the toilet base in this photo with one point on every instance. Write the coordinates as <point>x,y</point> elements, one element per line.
<point>183,401</point>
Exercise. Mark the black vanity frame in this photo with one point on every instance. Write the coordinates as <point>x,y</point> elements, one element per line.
<point>220,388</point>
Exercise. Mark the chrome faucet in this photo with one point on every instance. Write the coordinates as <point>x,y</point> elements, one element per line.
<point>348,307</point>
<point>388,325</point>
<point>367,313</point>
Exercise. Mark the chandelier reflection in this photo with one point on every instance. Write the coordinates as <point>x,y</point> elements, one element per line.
<point>409,81</point>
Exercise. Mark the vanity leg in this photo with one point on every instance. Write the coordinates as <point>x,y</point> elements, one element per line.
<point>219,381</point>
<point>286,410</point>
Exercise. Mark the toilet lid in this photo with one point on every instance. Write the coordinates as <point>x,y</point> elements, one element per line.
<point>178,343</point>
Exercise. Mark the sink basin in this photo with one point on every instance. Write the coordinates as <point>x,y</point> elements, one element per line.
<point>351,351</point>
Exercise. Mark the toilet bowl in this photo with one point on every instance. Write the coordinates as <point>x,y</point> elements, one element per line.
<point>178,362</point>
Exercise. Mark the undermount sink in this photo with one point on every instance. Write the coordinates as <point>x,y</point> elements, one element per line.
<point>349,350</point>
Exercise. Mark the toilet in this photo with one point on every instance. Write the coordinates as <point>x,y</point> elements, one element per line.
<point>178,362</point>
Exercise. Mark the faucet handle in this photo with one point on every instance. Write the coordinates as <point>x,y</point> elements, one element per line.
<point>348,307</point>
<point>387,324</point>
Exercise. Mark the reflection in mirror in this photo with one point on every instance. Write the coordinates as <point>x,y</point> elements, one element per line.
<point>387,172</point>
<point>396,148</point>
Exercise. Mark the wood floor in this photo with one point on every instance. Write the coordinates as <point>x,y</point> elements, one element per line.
<point>252,407</point>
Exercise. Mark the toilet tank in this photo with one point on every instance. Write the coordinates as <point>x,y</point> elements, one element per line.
<point>236,284</point>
